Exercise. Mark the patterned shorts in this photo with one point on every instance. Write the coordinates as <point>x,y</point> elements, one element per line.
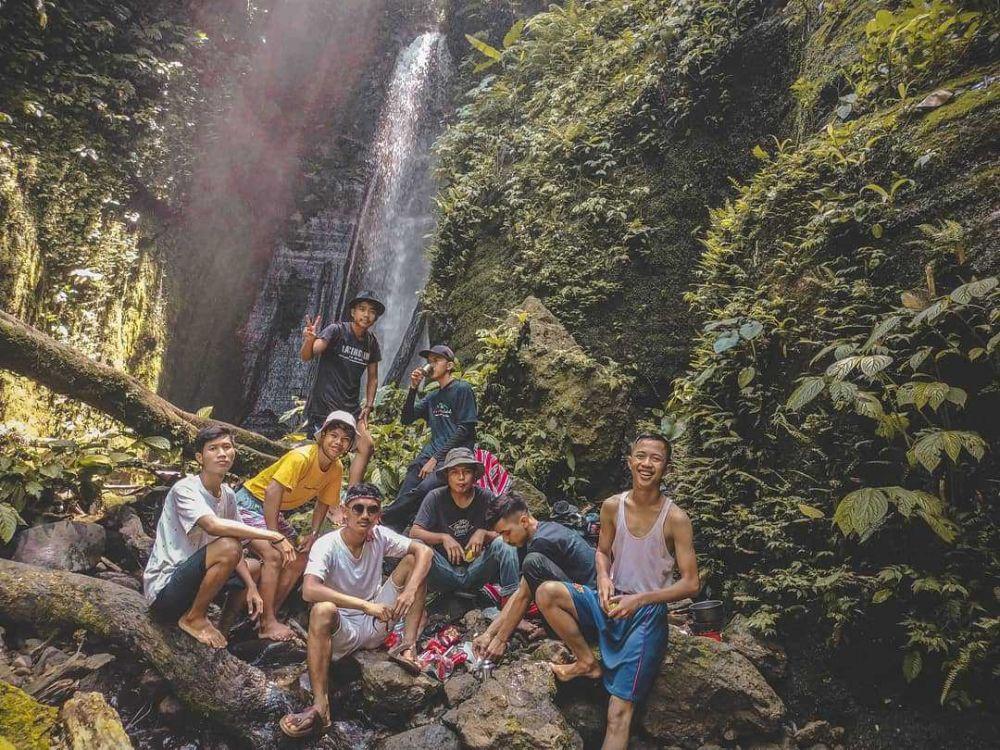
<point>252,514</point>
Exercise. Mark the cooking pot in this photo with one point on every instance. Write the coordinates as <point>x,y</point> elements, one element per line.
<point>707,612</point>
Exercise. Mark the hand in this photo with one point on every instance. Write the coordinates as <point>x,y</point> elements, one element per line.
<point>416,377</point>
<point>428,467</point>
<point>255,605</point>
<point>403,604</point>
<point>476,541</point>
<point>495,650</point>
<point>311,330</point>
<point>480,643</point>
<point>288,553</point>
<point>453,550</point>
<point>624,605</point>
<point>380,612</point>
<point>363,416</point>
<point>307,542</point>
<point>605,590</point>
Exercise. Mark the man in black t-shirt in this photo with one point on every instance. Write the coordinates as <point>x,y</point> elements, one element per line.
<point>452,520</point>
<point>346,351</point>
<point>547,551</point>
<point>450,412</point>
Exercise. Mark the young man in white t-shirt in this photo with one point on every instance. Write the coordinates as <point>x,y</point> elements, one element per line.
<point>198,551</point>
<point>352,608</point>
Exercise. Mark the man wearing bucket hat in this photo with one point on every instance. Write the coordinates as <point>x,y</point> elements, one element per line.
<point>308,472</point>
<point>346,351</point>
<point>452,520</point>
<point>450,412</point>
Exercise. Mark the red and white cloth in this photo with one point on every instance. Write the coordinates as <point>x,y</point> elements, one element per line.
<point>496,478</point>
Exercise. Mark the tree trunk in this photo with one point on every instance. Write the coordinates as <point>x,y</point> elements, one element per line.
<point>31,353</point>
<point>212,683</point>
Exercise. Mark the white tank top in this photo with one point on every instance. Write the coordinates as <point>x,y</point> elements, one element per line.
<point>641,564</point>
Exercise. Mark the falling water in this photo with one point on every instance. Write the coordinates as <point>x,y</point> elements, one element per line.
<point>397,216</point>
<point>368,237</point>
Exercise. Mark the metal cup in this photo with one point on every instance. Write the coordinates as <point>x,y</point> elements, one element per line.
<point>427,370</point>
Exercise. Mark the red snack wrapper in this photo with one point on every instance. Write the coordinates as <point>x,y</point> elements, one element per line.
<point>448,636</point>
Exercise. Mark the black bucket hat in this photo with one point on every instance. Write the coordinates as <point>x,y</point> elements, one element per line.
<point>439,349</point>
<point>367,296</point>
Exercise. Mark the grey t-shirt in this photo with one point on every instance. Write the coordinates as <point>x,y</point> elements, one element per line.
<point>178,535</point>
<point>565,548</point>
<point>341,365</point>
<point>438,513</point>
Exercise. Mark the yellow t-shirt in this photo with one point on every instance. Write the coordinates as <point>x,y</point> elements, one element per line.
<point>299,473</point>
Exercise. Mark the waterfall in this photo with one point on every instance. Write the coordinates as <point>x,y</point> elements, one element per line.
<point>397,217</point>
<point>371,235</point>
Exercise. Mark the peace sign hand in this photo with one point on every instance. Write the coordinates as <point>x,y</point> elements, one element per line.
<point>311,328</point>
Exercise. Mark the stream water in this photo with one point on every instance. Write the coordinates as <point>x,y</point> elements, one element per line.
<point>342,249</point>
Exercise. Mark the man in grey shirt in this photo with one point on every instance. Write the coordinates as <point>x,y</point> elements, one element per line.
<point>198,551</point>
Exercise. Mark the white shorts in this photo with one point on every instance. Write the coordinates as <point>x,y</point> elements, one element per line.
<point>358,630</point>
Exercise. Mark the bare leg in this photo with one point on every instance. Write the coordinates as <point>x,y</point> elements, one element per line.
<point>619,720</point>
<point>324,619</point>
<point>556,604</point>
<point>415,617</point>
<point>221,559</point>
<point>290,575</point>
<point>270,579</point>
<point>235,603</point>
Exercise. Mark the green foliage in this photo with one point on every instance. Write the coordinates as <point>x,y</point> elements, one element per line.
<point>906,48</point>
<point>838,465</point>
<point>38,476</point>
<point>556,155</point>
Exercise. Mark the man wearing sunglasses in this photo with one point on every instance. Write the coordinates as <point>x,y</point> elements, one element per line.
<point>352,608</point>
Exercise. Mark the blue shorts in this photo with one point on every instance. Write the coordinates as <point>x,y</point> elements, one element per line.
<point>631,648</point>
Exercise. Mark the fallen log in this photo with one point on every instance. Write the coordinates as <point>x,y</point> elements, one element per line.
<point>29,352</point>
<point>211,683</point>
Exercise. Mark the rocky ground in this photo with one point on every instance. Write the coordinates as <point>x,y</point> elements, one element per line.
<point>79,690</point>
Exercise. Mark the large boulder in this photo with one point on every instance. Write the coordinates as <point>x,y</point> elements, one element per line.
<point>428,737</point>
<point>708,691</point>
<point>769,657</point>
<point>552,386</point>
<point>91,724</point>
<point>64,545</point>
<point>514,710</point>
<point>390,694</point>
<point>128,542</point>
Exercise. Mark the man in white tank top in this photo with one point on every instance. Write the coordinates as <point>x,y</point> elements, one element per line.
<point>644,536</point>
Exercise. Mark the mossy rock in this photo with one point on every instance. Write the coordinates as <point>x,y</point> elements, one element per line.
<point>25,723</point>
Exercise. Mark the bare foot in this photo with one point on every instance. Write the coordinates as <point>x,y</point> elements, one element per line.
<point>532,631</point>
<point>202,630</point>
<point>275,631</point>
<point>567,672</point>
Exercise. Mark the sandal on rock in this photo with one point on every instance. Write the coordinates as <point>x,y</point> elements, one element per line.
<point>406,662</point>
<point>303,723</point>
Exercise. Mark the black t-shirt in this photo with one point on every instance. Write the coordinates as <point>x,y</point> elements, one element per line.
<point>439,514</point>
<point>444,410</point>
<point>341,365</point>
<point>565,548</point>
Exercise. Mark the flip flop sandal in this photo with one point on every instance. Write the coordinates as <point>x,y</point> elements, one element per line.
<point>292,724</point>
<point>396,657</point>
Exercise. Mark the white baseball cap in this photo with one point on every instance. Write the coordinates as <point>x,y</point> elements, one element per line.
<point>339,417</point>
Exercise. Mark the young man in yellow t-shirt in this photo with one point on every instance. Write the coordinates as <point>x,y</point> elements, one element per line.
<point>309,472</point>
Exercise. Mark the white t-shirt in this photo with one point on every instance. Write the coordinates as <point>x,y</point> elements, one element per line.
<point>331,560</point>
<point>178,535</point>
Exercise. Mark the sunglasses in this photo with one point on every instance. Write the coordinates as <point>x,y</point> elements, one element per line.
<point>360,509</point>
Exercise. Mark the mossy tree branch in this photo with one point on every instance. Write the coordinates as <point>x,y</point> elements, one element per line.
<point>211,682</point>
<point>29,352</point>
